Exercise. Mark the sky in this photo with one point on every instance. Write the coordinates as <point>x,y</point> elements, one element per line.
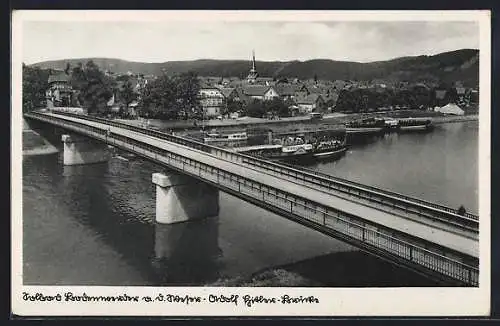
<point>160,41</point>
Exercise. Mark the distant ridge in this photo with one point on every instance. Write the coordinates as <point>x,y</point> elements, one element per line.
<point>462,65</point>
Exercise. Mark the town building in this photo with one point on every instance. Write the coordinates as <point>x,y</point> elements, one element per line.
<point>310,103</point>
<point>60,91</point>
<point>260,92</point>
<point>211,101</point>
<point>229,93</point>
<point>287,91</point>
<point>473,96</point>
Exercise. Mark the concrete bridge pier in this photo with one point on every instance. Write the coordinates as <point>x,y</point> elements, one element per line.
<point>83,150</point>
<point>180,198</point>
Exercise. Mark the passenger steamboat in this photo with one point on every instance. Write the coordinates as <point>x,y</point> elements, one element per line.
<point>295,149</point>
<point>330,148</point>
<point>216,137</point>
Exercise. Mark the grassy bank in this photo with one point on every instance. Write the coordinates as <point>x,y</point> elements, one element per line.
<point>343,269</point>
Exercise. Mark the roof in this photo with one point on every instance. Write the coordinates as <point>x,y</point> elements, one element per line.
<point>422,85</point>
<point>309,99</point>
<point>440,94</point>
<point>241,95</point>
<point>255,90</point>
<point>60,77</point>
<point>134,84</point>
<point>209,88</point>
<point>318,89</point>
<point>226,91</point>
<point>339,84</point>
<point>333,96</point>
<point>287,89</point>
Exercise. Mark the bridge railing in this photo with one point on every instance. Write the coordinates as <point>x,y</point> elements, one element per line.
<point>410,250</point>
<point>388,193</point>
<point>386,201</point>
<point>403,203</point>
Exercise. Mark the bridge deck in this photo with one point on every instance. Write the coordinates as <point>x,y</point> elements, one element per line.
<point>400,211</point>
<point>439,236</point>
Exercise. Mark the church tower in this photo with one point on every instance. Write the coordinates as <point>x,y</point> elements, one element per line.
<point>252,76</point>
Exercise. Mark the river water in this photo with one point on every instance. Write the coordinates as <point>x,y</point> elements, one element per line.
<point>94,224</point>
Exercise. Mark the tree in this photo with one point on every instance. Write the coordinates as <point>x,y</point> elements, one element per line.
<point>350,100</point>
<point>35,83</point>
<point>276,106</point>
<point>187,86</point>
<point>127,93</point>
<point>422,96</point>
<point>160,99</point>
<point>68,68</point>
<point>94,89</point>
<point>233,106</point>
<point>170,97</point>
<point>255,109</point>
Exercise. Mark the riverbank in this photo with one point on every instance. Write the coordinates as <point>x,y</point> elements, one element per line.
<point>451,119</point>
<point>44,150</point>
<point>296,124</point>
<point>341,269</point>
<point>34,144</point>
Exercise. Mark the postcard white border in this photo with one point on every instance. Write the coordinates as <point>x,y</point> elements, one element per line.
<point>333,301</point>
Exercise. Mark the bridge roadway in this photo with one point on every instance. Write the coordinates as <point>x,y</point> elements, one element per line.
<point>447,225</point>
<point>376,197</point>
<point>452,240</point>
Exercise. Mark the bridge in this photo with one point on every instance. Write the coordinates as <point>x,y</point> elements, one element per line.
<point>428,238</point>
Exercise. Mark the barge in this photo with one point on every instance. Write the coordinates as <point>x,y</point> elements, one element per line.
<point>412,124</point>
<point>365,126</point>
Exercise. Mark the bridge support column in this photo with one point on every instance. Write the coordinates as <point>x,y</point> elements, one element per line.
<point>180,198</point>
<point>82,150</point>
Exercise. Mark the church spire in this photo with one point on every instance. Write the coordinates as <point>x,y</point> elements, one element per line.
<point>253,61</point>
<point>252,76</point>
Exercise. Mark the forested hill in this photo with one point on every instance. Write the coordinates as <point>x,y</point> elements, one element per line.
<point>461,65</point>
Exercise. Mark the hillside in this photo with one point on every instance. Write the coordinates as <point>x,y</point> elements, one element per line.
<point>460,65</point>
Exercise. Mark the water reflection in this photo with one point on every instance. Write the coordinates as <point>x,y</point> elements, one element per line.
<point>182,253</point>
<point>114,220</point>
<point>362,140</point>
<point>391,137</point>
<point>98,170</point>
<point>187,253</point>
<point>439,166</point>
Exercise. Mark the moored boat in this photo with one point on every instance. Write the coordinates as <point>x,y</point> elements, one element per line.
<point>233,139</point>
<point>365,126</point>
<point>328,149</point>
<point>295,149</point>
<point>412,124</point>
<point>214,136</point>
<point>291,148</point>
<point>283,149</point>
<point>391,124</point>
<point>278,152</point>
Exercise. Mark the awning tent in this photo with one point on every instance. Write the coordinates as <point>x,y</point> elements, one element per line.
<point>451,108</point>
